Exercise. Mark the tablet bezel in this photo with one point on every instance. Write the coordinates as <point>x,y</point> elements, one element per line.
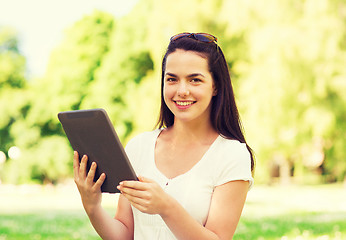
<point>91,132</point>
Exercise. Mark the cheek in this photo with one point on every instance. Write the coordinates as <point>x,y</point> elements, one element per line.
<point>167,94</point>
<point>167,101</point>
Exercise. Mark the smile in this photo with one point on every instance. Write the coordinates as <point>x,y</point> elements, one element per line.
<point>184,103</point>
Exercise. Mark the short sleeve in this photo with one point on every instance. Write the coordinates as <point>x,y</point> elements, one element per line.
<point>233,163</point>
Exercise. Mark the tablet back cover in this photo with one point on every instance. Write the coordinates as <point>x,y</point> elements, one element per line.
<point>91,132</point>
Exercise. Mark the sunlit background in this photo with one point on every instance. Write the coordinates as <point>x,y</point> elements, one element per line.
<point>288,65</point>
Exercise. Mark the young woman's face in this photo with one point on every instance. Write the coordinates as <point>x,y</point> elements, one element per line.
<point>188,86</point>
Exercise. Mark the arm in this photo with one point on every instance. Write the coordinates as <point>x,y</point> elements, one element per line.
<point>225,210</point>
<point>120,227</point>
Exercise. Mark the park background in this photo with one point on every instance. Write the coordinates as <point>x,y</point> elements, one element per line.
<point>288,66</point>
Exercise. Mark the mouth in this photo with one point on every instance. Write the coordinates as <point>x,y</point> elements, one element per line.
<point>184,103</point>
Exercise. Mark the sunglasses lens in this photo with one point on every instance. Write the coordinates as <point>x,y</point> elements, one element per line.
<point>204,37</point>
<point>180,35</point>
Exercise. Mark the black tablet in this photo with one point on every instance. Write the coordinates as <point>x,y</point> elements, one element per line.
<point>91,132</point>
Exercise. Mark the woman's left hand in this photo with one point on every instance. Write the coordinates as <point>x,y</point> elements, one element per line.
<point>145,195</point>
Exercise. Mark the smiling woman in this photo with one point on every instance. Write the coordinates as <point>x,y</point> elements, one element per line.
<point>194,170</point>
<point>188,85</point>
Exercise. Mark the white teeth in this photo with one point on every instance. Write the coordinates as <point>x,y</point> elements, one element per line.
<point>184,103</point>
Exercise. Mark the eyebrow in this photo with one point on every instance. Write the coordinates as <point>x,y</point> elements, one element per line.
<point>190,75</point>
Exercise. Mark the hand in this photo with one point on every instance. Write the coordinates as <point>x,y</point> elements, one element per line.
<point>89,190</point>
<point>145,195</point>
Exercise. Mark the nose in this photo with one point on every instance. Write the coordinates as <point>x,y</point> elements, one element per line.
<point>183,90</point>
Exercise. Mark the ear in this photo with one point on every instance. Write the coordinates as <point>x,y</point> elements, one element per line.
<point>214,91</point>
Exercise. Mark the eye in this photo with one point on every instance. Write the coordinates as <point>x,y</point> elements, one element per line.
<point>170,79</point>
<point>196,80</point>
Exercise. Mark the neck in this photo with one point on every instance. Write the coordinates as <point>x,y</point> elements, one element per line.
<point>187,132</point>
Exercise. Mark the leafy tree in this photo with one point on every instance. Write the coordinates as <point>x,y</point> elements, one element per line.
<point>85,71</point>
<point>291,88</point>
<point>71,68</point>
<point>12,83</point>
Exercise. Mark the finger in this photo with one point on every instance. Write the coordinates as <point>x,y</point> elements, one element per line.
<point>140,207</point>
<point>83,166</point>
<point>75,164</point>
<point>144,179</point>
<point>100,181</point>
<point>134,185</point>
<point>91,173</point>
<point>134,193</point>
<point>134,199</point>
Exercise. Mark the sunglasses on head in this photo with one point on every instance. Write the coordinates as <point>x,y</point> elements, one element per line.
<point>202,37</point>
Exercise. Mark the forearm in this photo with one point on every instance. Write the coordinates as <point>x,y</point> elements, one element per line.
<point>183,225</point>
<point>108,227</point>
<point>91,196</point>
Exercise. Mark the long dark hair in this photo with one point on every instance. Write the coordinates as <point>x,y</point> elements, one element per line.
<point>224,114</point>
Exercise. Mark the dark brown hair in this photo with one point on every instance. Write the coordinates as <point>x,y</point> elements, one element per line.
<point>224,114</point>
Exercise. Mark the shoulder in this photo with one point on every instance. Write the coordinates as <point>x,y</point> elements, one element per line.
<point>233,161</point>
<point>139,149</point>
<point>141,139</point>
<point>233,148</point>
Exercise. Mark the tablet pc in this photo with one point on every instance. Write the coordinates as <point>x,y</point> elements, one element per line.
<point>91,132</point>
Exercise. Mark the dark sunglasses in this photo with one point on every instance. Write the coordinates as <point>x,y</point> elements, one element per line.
<point>203,37</point>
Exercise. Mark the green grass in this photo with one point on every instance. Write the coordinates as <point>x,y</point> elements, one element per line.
<point>294,212</point>
<point>282,213</point>
<point>302,225</point>
<point>46,225</point>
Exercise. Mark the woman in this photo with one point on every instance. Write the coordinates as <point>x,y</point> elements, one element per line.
<point>195,169</point>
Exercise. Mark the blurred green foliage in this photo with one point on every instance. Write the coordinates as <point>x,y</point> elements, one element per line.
<point>287,62</point>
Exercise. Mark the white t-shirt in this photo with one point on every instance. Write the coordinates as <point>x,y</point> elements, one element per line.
<point>225,160</point>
